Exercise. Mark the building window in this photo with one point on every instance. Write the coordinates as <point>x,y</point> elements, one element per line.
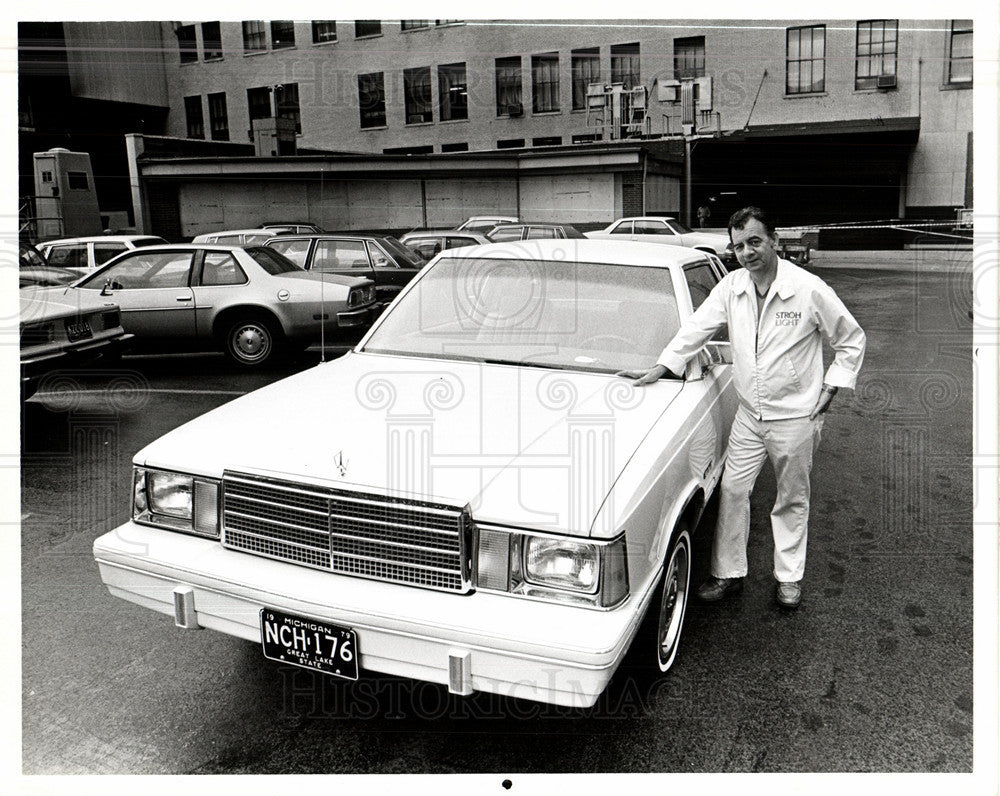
<point>367,27</point>
<point>585,67</point>
<point>414,24</point>
<point>875,55</point>
<point>545,82</point>
<point>453,92</point>
<point>549,140</point>
<point>324,31</point>
<point>254,37</point>
<point>211,37</point>
<point>286,103</point>
<point>464,147</point>
<point>195,118</point>
<point>218,118</point>
<point>426,149</point>
<point>259,103</point>
<point>417,95</point>
<point>625,65</point>
<point>371,99</point>
<point>510,143</point>
<point>77,180</point>
<point>689,57</point>
<point>960,52</point>
<point>187,43</point>
<point>805,60</point>
<point>508,85</point>
<point>282,34</point>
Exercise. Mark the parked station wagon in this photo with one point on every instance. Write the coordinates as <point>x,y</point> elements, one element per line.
<point>663,229</point>
<point>86,254</point>
<point>470,497</point>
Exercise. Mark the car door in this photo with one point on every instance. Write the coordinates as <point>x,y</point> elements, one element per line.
<point>347,256</point>
<point>153,290</point>
<point>716,359</point>
<point>218,281</point>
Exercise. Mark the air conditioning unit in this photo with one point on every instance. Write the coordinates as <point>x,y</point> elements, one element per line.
<point>515,109</point>
<point>885,81</point>
<point>668,90</point>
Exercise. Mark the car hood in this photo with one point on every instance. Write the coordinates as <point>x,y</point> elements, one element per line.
<point>39,303</point>
<point>529,447</point>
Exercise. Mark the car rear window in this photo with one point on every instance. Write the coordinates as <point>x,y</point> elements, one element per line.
<point>271,261</point>
<point>150,241</point>
<point>403,254</point>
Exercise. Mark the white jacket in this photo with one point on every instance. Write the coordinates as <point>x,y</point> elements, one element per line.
<point>778,359</point>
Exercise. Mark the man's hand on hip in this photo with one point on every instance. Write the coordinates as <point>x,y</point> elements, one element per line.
<point>642,377</point>
<point>823,402</point>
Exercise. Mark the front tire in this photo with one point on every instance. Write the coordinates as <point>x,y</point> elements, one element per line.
<point>674,592</point>
<point>252,341</point>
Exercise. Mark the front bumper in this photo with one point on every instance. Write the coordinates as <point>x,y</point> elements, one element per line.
<point>478,642</point>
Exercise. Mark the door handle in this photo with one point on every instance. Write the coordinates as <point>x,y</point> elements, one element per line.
<point>183,298</point>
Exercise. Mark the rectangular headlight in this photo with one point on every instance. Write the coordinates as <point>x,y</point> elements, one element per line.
<point>553,568</point>
<point>176,501</point>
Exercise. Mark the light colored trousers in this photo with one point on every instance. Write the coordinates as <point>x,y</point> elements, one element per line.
<point>790,444</point>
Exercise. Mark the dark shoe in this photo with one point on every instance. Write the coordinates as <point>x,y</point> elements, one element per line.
<point>714,589</point>
<point>790,594</point>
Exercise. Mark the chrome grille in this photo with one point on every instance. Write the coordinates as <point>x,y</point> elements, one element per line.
<point>366,535</point>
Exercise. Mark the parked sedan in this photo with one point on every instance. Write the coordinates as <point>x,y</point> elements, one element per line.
<point>381,258</point>
<point>470,497</point>
<point>429,242</point>
<point>64,328</point>
<point>86,254</point>
<point>239,237</point>
<point>248,302</point>
<point>662,229</point>
<point>505,232</point>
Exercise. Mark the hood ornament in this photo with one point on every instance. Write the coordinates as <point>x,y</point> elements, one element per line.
<point>341,463</point>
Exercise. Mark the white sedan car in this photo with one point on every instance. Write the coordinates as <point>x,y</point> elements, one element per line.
<point>663,229</point>
<point>489,508</point>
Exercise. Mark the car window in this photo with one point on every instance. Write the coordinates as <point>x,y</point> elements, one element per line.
<point>228,240</point>
<point>338,255</point>
<point>30,256</point>
<point>677,227</point>
<point>537,233</point>
<point>105,251</point>
<point>256,238</point>
<point>571,232</point>
<point>70,255</point>
<point>403,255</point>
<point>505,233</point>
<point>294,250</point>
<point>455,241</point>
<point>152,240</point>
<point>426,248</point>
<point>700,280</point>
<point>652,227</point>
<point>145,270</point>
<point>221,268</point>
<point>271,261</point>
<point>624,228</point>
<point>379,258</point>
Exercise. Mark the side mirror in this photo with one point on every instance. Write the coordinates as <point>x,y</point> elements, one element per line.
<point>106,290</point>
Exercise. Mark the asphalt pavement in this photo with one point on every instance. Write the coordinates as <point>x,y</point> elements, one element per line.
<point>874,673</point>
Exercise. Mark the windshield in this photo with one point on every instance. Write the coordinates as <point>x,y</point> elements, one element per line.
<point>271,261</point>
<point>578,316</point>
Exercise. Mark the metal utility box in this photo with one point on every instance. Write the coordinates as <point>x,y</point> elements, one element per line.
<point>65,196</point>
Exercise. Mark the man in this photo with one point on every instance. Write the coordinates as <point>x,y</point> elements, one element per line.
<point>777,315</point>
<point>704,211</point>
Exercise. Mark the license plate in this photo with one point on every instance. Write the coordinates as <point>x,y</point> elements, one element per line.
<point>78,331</point>
<point>309,643</point>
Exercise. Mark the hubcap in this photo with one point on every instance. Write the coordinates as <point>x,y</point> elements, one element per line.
<point>674,599</point>
<point>251,342</point>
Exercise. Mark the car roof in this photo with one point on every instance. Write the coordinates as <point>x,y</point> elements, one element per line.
<point>645,218</point>
<point>233,232</point>
<point>100,239</point>
<point>436,232</point>
<point>584,250</point>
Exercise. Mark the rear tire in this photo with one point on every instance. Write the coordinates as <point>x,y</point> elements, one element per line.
<point>251,342</point>
<point>673,600</point>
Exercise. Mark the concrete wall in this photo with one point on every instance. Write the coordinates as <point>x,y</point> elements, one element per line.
<point>579,198</point>
<point>121,61</point>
